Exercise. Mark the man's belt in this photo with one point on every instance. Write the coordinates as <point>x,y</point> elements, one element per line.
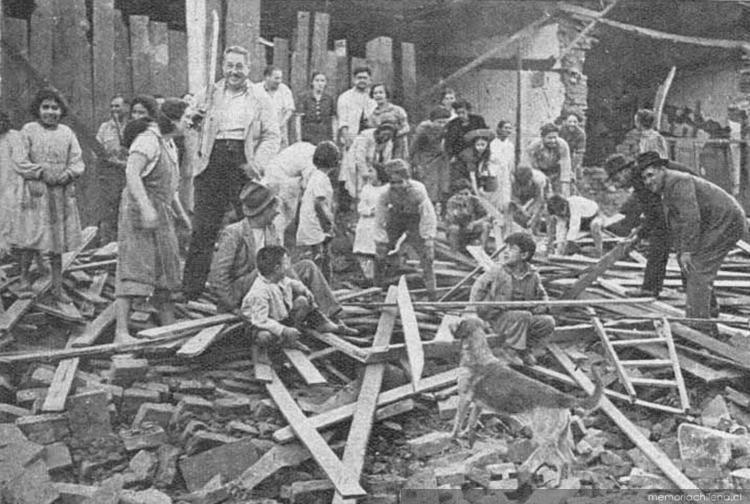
<point>230,145</point>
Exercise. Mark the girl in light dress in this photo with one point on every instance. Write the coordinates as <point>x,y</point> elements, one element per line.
<point>364,242</point>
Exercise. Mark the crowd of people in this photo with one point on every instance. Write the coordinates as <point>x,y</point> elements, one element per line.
<point>220,165</point>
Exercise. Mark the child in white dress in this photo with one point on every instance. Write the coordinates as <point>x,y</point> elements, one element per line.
<point>364,236</point>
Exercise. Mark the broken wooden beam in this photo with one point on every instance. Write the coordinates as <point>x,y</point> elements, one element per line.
<point>198,344</point>
<point>574,43</point>
<point>414,350</point>
<point>188,326</point>
<point>560,303</point>
<point>605,263</point>
<point>304,367</point>
<point>60,386</point>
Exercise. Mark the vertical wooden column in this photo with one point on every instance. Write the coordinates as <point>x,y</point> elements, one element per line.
<point>330,70</point>
<point>123,71</point>
<point>379,53</point>
<point>243,28</point>
<point>159,57</point>
<point>195,20</point>
<point>319,56</point>
<point>140,53</point>
<point>281,57</point>
<point>178,63</point>
<point>43,26</point>
<point>218,6</point>
<point>72,72</point>
<point>15,87</point>
<point>360,62</point>
<point>301,55</point>
<point>409,78</point>
<point>340,81</point>
<point>104,57</point>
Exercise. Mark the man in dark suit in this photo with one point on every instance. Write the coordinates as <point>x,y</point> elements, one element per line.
<point>459,126</point>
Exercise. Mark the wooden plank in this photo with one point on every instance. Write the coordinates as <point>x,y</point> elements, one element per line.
<point>379,52</point>
<point>304,366</point>
<point>409,77</point>
<point>61,384</point>
<point>195,21</point>
<point>96,328</point>
<point>261,364</point>
<point>663,329</point>
<point>480,256</point>
<point>140,54</point>
<point>198,344</point>
<point>15,82</point>
<point>605,263</point>
<point>104,57</point>
<point>188,326</point>
<point>340,82</point>
<point>97,284</point>
<point>10,318</point>
<point>319,51</point>
<point>341,413</point>
<point>651,451</point>
<point>349,349</point>
<point>343,478</point>
<point>123,70</point>
<point>624,378</point>
<point>301,54</point>
<point>159,58</point>
<point>372,379</point>
<point>63,311</point>
<point>178,78</point>
<point>243,28</point>
<point>281,57</point>
<point>414,349</point>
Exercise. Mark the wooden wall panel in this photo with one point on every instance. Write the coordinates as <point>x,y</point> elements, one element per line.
<point>41,38</point>
<point>380,59</point>
<point>178,62</point>
<point>301,55</point>
<point>340,81</point>
<point>159,58</point>
<point>195,16</point>
<point>330,71</point>
<point>243,29</point>
<point>123,71</point>
<point>16,89</point>
<point>319,55</point>
<point>409,78</point>
<point>281,57</point>
<point>104,57</point>
<point>71,58</point>
<point>140,54</point>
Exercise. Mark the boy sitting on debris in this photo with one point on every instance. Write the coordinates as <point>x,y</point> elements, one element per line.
<point>515,280</point>
<point>466,218</point>
<point>278,306</point>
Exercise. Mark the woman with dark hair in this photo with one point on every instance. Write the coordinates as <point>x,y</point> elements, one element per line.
<point>384,108</point>
<point>47,218</point>
<point>148,255</point>
<point>651,139</point>
<point>11,184</point>
<point>318,111</point>
<point>447,98</point>
<point>143,106</point>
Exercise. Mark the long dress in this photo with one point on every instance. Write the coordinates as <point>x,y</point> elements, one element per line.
<point>47,218</point>
<point>149,258</point>
<point>11,184</point>
<point>429,162</point>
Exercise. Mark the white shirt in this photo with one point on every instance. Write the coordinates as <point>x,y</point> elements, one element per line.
<point>580,208</point>
<point>281,99</point>
<point>351,107</point>
<point>293,164</point>
<point>310,232</point>
<point>232,114</point>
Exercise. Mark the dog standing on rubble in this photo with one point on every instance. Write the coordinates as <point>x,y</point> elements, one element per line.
<point>487,382</point>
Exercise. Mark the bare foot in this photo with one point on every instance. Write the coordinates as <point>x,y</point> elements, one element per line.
<point>125,339</point>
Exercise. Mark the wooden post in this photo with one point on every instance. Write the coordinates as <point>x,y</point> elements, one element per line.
<point>300,57</point>
<point>380,58</point>
<point>123,70</point>
<point>104,57</point>
<point>140,52</point>
<point>243,28</point>
<point>340,82</point>
<point>319,57</point>
<point>159,60</point>
<point>178,61</point>
<point>519,103</point>
<point>43,26</point>
<point>409,78</point>
<point>15,82</point>
<point>358,62</point>
<point>72,58</point>
<point>332,63</point>
<point>195,20</point>
<point>281,57</point>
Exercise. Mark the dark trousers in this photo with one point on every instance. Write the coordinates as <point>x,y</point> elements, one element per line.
<point>219,185</point>
<point>656,260</point>
<point>111,178</point>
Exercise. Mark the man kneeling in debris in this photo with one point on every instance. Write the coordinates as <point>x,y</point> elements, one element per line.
<point>515,280</point>
<point>466,218</point>
<point>233,270</point>
<point>568,217</point>
<point>278,306</point>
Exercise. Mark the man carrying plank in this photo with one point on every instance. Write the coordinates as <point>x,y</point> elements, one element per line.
<point>515,280</point>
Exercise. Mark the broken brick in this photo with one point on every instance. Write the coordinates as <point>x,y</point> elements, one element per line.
<point>125,371</point>
<point>203,388</point>
<point>430,444</point>
<point>715,411</point>
<point>191,428</point>
<point>44,429</point>
<point>204,440</point>
<point>195,404</point>
<point>385,484</point>
<point>9,413</point>
<point>229,460</point>
<point>133,398</point>
<point>148,496</point>
<point>160,414</point>
<point>167,468</point>
<point>71,493</point>
<point>447,408</point>
<point>27,397</point>
<point>57,456</point>
<point>146,436</point>
<point>88,415</point>
<point>229,406</point>
<point>242,428</point>
<point>32,486</point>
<point>453,475</point>
<point>143,465</point>
<point>161,388</point>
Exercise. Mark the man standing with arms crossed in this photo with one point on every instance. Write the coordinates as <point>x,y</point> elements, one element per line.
<point>240,136</point>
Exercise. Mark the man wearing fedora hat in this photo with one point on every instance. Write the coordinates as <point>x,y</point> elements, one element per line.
<point>705,223</point>
<point>626,173</point>
<point>233,269</point>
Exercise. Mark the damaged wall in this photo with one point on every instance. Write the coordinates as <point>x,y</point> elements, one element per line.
<point>715,86</point>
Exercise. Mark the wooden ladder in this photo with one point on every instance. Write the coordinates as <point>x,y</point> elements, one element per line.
<point>661,336</point>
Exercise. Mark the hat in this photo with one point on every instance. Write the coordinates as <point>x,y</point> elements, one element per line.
<point>256,197</point>
<point>616,163</point>
<point>650,158</point>
<point>485,133</point>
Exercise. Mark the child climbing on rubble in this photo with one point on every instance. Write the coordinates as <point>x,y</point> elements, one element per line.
<point>278,307</point>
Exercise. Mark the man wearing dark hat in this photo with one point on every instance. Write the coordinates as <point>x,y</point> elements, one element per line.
<point>404,208</point>
<point>464,122</point>
<point>233,268</point>
<point>551,155</point>
<point>626,174</point>
<point>705,223</point>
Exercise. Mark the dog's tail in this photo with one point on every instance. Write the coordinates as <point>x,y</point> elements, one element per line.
<point>591,402</point>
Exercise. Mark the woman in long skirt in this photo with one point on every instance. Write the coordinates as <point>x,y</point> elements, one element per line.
<point>148,255</point>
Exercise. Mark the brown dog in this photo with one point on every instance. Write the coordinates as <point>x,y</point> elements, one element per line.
<point>487,382</point>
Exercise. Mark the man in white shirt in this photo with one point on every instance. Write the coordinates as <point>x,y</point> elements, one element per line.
<point>281,99</point>
<point>354,106</point>
<point>571,216</point>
